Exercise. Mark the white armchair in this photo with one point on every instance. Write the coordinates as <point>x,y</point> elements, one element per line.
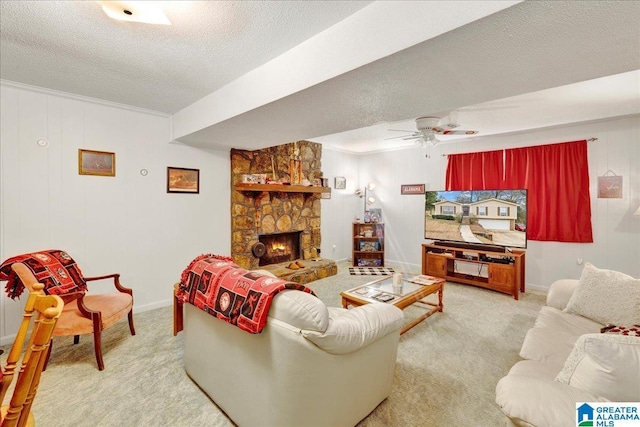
<point>311,365</point>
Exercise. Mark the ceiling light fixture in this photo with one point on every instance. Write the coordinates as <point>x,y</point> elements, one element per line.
<point>147,12</point>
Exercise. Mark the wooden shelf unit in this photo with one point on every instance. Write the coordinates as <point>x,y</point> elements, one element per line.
<point>441,261</point>
<point>373,255</point>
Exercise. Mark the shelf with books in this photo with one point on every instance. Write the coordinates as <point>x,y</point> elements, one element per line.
<point>368,244</point>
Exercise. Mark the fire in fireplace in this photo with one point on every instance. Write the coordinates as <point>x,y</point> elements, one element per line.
<point>279,247</point>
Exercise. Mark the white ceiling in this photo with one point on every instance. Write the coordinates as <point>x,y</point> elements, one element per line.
<point>255,74</point>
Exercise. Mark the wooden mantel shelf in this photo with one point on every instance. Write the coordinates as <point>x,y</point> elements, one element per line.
<point>282,188</point>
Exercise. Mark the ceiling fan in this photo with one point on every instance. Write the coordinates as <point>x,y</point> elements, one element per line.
<point>428,129</point>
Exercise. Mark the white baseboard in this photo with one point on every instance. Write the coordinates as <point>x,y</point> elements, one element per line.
<point>152,306</point>
<point>537,288</point>
<point>136,309</point>
<point>404,266</point>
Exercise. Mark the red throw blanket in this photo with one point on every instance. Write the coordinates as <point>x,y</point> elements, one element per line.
<point>55,269</point>
<point>221,288</point>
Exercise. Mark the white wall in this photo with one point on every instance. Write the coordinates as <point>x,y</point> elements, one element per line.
<point>127,223</point>
<point>616,232</point>
<point>340,211</point>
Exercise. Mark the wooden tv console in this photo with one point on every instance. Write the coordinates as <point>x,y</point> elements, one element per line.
<point>499,271</point>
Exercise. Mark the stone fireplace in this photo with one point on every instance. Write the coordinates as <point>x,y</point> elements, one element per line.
<point>262,215</point>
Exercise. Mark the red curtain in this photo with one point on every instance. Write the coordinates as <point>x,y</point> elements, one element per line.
<point>555,175</point>
<point>476,171</point>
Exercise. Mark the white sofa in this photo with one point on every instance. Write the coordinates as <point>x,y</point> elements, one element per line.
<point>310,366</point>
<point>568,360</point>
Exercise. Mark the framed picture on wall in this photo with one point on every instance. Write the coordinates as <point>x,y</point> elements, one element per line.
<point>91,162</point>
<point>340,183</point>
<point>183,180</point>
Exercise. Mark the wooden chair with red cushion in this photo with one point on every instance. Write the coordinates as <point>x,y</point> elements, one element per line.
<point>44,310</point>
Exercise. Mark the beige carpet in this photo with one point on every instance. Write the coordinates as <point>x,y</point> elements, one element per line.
<point>446,371</point>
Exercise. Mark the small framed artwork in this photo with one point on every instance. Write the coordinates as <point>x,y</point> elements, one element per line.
<point>183,180</point>
<point>102,163</point>
<point>340,183</point>
<point>412,189</point>
<point>610,187</point>
<point>375,214</point>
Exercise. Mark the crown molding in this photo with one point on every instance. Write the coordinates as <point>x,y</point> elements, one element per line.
<point>46,91</point>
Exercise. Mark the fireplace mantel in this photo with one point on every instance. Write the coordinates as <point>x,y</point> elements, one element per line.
<point>282,188</point>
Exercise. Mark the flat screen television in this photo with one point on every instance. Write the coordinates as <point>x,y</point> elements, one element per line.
<point>494,219</point>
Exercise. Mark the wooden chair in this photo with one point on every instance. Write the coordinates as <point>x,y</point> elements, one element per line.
<point>47,310</point>
<point>86,314</point>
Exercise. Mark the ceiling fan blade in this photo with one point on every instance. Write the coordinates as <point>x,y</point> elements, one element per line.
<point>397,137</point>
<point>458,132</point>
<point>412,137</point>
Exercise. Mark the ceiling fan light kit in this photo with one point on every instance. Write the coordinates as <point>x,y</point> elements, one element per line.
<point>427,123</point>
<point>428,129</point>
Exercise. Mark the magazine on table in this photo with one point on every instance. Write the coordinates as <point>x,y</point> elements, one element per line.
<point>383,297</point>
<point>423,279</point>
<point>367,292</point>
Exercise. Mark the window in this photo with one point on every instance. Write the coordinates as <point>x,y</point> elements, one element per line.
<point>449,210</point>
<point>503,211</point>
<point>481,211</point>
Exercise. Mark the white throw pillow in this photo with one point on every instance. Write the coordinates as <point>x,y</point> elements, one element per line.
<point>605,365</point>
<point>606,296</point>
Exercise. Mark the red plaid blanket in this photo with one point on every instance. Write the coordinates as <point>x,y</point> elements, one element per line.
<point>221,288</point>
<point>55,269</point>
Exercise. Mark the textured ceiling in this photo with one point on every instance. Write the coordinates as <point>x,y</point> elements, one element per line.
<point>72,46</point>
<point>536,63</point>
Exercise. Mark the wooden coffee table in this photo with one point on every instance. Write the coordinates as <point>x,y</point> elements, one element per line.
<point>381,291</point>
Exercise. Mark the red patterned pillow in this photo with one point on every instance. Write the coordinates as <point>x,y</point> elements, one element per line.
<point>633,331</point>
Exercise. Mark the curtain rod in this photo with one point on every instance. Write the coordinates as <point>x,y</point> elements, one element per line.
<point>593,138</point>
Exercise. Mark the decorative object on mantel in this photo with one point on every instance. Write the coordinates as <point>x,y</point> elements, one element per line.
<point>101,163</point>
<point>610,186</point>
<point>254,178</point>
<point>295,165</point>
<point>412,189</point>
<point>183,180</point>
<point>340,183</point>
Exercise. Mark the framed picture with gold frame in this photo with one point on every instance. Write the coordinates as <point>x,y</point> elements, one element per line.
<point>101,163</point>
<point>183,180</point>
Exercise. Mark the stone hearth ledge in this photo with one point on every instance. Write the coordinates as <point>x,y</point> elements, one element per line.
<point>313,270</point>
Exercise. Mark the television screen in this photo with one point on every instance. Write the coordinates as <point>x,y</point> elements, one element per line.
<point>488,217</point>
